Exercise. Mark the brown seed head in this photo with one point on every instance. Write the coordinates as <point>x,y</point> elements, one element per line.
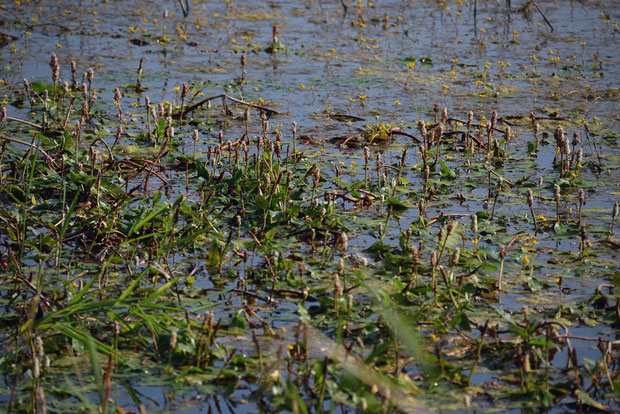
<point>184,91</point>
<point>530,198</point>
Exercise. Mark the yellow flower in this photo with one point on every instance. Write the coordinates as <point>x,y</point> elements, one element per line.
<point>542,218</point>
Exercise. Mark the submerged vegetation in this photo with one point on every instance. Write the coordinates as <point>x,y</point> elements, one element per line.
<point>200,248</point>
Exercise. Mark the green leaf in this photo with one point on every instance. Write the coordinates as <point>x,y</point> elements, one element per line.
<point>396,203</point>
<point>303,313</point>
<point>157,196</point>
<point>213,257</point>
<point>237,324</point>
<point>585,398</point>
<point>261,202</point>
<point>559,229</point>
<point>446,172</point>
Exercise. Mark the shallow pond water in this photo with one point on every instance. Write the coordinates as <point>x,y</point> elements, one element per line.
<point>336,67</point>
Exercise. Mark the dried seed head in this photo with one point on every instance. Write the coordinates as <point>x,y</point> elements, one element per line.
<point>55,67</point>
<point>422,128</point>
<point>195,136</point>
<point>493,119</point>
<point>559,136</point>
<point>3,117</point>
<point>556,193</point>
<point>36,368</point>
<point>456,256</point>
<point>502,252</point>
<point>40,351</point>
<point>470,119</point>
<point>576,138</point>
<point>614,212</point>
<point>173,341</point>
<point>294,124</point>
<point>507,134</point>
<point>73,70</point>
<point>415,255</point>
<point>27,85</point>
<point>244,59</point>
<point>530,198</point>
<point>337,285</point>
<point>366,154</point>
<point>147,101</point>
<point>444,115</point>
<point>582,231</point>
<point>84,91</point>
<point>566,147</point>
<point>117,95</point>
<point>434,259</point>
<point>238,220</point>
<point>275,34</point>
<point>427,173</point>
<point>65,87</point>
<point>582,196</point>
<point>184,91</point>
<point>344,239</point>
<point>90,75</point>
<point>580,156</point>
<point>540,181</point>
<point>341,266</point>
<point>246,116</point>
